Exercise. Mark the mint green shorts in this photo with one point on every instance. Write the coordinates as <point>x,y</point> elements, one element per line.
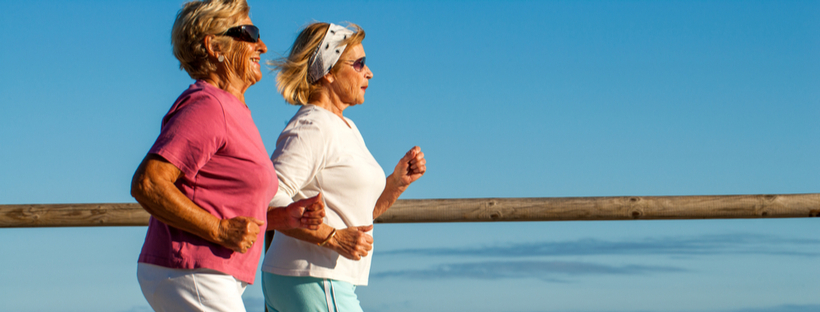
<point>308,294</point>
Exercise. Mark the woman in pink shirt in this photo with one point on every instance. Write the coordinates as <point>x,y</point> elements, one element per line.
<point>207,180</point>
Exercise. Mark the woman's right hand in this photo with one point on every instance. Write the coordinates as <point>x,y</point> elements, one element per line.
<point>239,233</point>
<point>353,243</point>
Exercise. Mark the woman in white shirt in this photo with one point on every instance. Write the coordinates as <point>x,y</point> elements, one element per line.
<point>321,151</point>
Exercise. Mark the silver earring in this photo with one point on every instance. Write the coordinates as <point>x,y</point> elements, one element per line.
<point>221,58</point>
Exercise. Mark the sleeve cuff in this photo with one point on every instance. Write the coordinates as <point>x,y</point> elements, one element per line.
<point>280,200</point>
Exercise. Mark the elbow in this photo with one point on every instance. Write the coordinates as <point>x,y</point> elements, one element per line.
<point>139,185</point>
<point>144,189</point>
<point>134,187</point>
<point>151,184</point>
<point>143,181</point>
<point>147,193</point>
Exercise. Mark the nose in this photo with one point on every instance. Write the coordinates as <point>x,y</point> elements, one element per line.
<point>367,74</point>
<point>261,47</point>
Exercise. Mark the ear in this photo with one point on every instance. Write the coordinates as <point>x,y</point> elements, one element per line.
<point>329,77</point>
<point>211,47</point>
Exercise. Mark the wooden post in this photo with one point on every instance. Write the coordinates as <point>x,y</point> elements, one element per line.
<point>474,210</point>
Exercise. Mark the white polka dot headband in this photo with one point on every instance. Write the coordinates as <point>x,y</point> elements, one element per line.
<point>328,53</point>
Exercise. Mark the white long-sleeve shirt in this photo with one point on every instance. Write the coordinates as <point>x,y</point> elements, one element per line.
<point>316,152</point>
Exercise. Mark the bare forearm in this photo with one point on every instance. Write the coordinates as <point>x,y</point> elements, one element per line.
<point>411,167</point>
<point>352,242</point>
<point>153,187</point>
<point>277,219</point>
<point>174,209</point>
<point>391,193</point>
<point>310,236</point>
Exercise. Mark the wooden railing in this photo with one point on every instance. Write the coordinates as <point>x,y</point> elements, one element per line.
<point>474,210</point>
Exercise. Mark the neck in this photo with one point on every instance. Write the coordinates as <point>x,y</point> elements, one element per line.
<point>330,101</point>
<point>229,83</point>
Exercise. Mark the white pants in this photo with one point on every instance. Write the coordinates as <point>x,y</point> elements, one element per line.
<point>200,290</point>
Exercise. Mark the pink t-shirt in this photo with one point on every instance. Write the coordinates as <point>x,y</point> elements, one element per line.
<point>210,136</point>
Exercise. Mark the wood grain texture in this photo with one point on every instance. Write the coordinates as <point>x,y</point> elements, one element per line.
<point>65,215</point>
<point>603,208</point>
<point>474,210</point>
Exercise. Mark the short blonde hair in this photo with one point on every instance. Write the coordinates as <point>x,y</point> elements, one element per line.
<point>201,18</point>
<point>292,80</point>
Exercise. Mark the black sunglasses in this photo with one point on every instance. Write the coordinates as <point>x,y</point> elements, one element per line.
<point>247,33</point>
<point>358,64</point>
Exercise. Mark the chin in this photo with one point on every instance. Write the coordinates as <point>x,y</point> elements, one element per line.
<point>254,79</point>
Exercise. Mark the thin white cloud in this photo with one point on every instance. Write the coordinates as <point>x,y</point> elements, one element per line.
<point>550,271</point>
<point>739,243</point>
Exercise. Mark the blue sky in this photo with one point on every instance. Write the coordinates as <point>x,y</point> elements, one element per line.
<point>506,99</point>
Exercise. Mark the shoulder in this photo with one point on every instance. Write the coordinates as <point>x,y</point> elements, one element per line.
<point>311,125</point>
<point>197,108</point>
<point>311,115</point>
<point>201,97</point>
<point>311,119</point>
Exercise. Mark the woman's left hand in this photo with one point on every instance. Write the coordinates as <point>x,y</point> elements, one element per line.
<point>307,213</point>
<point>410,168</point>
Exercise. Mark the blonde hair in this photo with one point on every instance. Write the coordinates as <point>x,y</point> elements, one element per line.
<point>201,18</point>
<point>292,80</point>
